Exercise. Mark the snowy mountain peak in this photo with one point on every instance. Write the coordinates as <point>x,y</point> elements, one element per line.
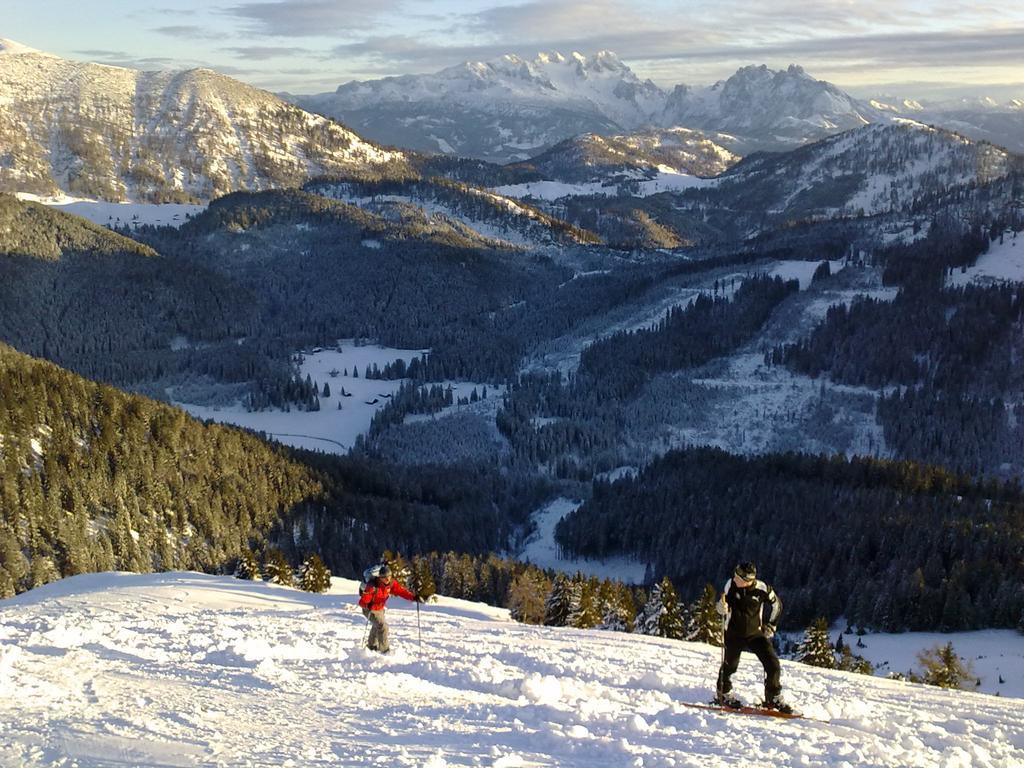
<point>13,48</point>
<point>779,107</point>
<point>113,133</point>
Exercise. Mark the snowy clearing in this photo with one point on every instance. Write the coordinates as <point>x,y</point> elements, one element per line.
<point>554,190</point>
<point>991,653</point>
<point>120,214</point>
<point>329,429</point>
<point>803,271</point>
<point>1003,262</point>
<point>184,669</point>
<point>541,549</point>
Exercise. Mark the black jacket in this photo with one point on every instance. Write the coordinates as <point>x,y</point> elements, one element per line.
<point>744,613</point>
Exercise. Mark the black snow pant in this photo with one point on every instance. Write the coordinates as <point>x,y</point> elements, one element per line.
<point>761,647</point>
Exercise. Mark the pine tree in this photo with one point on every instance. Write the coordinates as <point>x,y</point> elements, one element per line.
<point>558,606</point>
<point>851,662</point>
<point>587,615</point>
<point>662,615</point>
<point>816,648</point>
<point>707,624</point>
<point>421,580</point>
<point>277,569</point>
<point>942,667</point>
<point>313,575</point>
<point>248,567</point>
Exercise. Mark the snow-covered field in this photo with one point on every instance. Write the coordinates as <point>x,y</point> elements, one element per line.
<point>541,550</point>
<point>120,214</point>
<point>553,190</point>
<point>184,669</point>
<point>1003,262</point>
<point>991,653</point>
<point>329,429</point>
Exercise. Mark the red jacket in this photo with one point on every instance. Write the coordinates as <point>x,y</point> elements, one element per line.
<point>376,594</point>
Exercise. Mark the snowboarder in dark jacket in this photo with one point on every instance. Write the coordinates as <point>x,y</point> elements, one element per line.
<point>373,595</point>
<point>742,609</point>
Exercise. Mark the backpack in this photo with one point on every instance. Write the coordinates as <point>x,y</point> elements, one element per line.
<point>369,576</point>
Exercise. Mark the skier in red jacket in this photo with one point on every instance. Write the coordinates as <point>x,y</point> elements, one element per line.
<point>373,594</point>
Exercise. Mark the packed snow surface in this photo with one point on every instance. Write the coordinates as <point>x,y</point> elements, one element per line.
<point>542,550</point>
<point>184,669</point>
<point>330,429</point>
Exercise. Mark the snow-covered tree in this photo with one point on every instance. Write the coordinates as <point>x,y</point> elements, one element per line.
<point>662,616</point>
<point>248,567</point>
<point>313,575</point>
<point>277,569</point>
<point>558,607</point>
<point>816,647</point>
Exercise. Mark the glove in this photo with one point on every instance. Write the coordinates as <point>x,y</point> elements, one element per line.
<point>419,598</point>
<point>769,631</point>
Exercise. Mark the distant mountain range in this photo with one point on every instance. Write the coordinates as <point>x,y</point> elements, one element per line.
<point>96,131</point>
<point>512,108</point>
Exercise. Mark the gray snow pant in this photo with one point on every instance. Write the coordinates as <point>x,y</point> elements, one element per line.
<point>761,647</point>
<point>378,640</point>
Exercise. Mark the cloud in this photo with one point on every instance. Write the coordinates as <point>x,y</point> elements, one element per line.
<point>261,52</point>
<point>310,18</point>
<point>186,31</point>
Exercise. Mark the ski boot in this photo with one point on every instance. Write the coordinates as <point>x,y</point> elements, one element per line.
<point>778,704</point>
<point>727,700</point>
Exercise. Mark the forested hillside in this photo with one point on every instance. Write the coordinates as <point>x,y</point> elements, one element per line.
<point>892,545</point>
<point>94,479</point>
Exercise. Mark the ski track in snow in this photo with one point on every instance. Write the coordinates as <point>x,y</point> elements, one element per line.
<point>185,669</point>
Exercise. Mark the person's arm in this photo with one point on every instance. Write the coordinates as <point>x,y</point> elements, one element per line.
<point>398,589</point>
<point>721,606</point>
<point>367,596</point>
<point>776,603</point>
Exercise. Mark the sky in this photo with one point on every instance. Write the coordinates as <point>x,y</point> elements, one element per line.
<point>903,47</point>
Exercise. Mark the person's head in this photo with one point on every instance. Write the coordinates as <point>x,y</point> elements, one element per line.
<point>385,575</point>
<point>744,574</point>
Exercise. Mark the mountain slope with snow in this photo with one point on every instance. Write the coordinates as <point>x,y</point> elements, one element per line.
<point>96,131</point>
<point>771,109</point>
<point>186,669</point>
<point>505,108</point>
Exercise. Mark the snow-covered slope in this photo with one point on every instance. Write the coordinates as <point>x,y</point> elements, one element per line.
<point>874,169</point>
<point>978,117</point>
<point>101,132</point>
<point>187,669</point>
<point>641,154</point>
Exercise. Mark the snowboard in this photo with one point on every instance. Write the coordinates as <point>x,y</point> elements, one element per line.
<point>745,710</point>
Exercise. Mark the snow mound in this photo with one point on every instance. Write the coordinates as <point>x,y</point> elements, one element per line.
<point>189,669</point>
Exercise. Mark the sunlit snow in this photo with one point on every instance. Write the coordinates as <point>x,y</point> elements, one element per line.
<point>184,669</point>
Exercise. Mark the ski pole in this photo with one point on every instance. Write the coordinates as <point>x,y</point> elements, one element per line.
<point>419,631</point>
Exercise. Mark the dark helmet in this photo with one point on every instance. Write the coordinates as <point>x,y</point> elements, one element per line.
<point>385,572</point>
<point>746,571</point>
